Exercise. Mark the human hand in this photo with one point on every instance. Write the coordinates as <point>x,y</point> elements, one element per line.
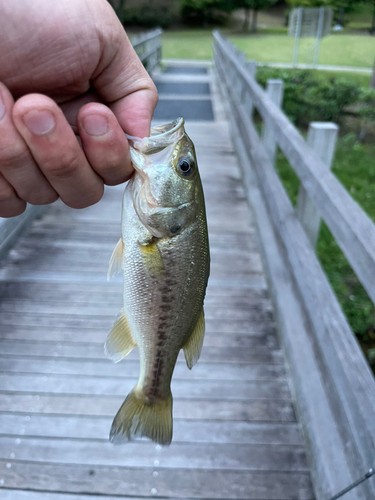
<point>72,70</point>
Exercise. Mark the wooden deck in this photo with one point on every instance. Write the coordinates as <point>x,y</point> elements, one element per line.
<point>235,429</point>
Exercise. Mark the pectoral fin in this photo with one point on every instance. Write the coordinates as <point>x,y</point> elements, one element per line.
<point>115,262</point>
<point>192,348</point>
<point>119,342</point>
<point>152,258</point>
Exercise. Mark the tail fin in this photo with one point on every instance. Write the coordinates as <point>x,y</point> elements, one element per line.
<point>139,417</point>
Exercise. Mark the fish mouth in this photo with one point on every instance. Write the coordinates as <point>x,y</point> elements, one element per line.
<point>160,137</point>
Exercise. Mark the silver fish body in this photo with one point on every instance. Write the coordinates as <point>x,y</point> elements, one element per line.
<point>164,255</point>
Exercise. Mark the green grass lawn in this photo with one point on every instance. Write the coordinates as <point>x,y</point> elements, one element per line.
<point>336,49</point>
<point>272,46</point>
<point>187,44</point>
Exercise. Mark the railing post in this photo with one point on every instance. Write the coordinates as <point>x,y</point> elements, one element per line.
<point>275,91</point>
<point>251,67</point>
<point>322,138</point>
<point>237,82</point>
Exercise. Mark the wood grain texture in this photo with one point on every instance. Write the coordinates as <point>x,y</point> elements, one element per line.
<point>11,229</point>
<point>235,430</point>
<point>178,483</point>
<point>185,431</point>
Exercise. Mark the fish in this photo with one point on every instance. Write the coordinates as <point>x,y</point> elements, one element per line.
<point>164,255</point>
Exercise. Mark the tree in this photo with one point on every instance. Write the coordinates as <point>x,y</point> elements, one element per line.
<point>339,6</point>
<point>118,7</point>
<point>252,5</point>
<point>372,81</point>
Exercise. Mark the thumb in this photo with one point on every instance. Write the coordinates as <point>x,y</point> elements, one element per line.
<point>122,81</point>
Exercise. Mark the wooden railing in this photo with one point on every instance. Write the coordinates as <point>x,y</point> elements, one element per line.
<point>148,49</point>
<point>333,386</point>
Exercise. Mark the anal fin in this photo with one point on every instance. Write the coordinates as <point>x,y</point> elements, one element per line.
<point>192,348</point>
<point>120,341</point>
<point>115,262</point>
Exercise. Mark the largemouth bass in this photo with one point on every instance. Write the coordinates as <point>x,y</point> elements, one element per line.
<point>164,255</point>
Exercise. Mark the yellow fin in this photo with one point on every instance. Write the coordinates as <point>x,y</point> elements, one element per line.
<point>119,342</point>
<point>115,262</point>
<point>152,258</point>
<point>192,348</point>
<point>139,417</point>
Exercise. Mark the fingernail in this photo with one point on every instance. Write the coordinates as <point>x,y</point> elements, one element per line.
<point>2,108</point>
<point>39,122</point>
<point>95,125</point>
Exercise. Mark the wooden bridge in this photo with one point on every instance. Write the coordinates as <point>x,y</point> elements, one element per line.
<point>281,405</point>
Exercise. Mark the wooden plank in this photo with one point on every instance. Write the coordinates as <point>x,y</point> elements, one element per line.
<point>183,483</point>
<point>142,454</point>
<point>38,495</point>
<point>11,229</point>
<point>260,338</point>
<point>94,351</point>
<point>129,368</point>
<point>218,273</point>
<point>205,389</point>
<point>97,428</point>
<point>222,324</point>
<point>98,264</point>
<point>266,410</point>
<point>258,312</point>
<point>81,292</point>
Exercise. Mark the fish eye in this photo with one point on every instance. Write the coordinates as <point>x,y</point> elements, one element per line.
<point>186,167</point>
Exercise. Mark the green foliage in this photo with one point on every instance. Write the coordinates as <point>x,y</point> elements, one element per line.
<point>345,6</point>
<point>309,98</point>
<point>253,4</point>
<point>204,12</point>
<point>349,5</point>
<point>354,166</point>
<point>149,15</point>
<point>367,104</point>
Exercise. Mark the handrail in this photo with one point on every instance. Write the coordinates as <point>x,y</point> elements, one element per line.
<point>352,228</point>
<point>148,48</point>
<point>333,385</point>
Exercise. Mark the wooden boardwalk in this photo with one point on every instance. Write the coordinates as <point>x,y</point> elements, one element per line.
<point>235,429</point>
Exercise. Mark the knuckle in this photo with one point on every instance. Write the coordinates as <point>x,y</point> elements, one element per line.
<point>154,96</point>
<point>62,168</point>
<point>87,201</point>
<point>42,199</point>
<point>6,193</point>
<point>13,155</point>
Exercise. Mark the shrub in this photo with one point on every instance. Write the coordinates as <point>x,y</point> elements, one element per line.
<point>310,98</point>
<point>203,12</point>
<point>149,15</point>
